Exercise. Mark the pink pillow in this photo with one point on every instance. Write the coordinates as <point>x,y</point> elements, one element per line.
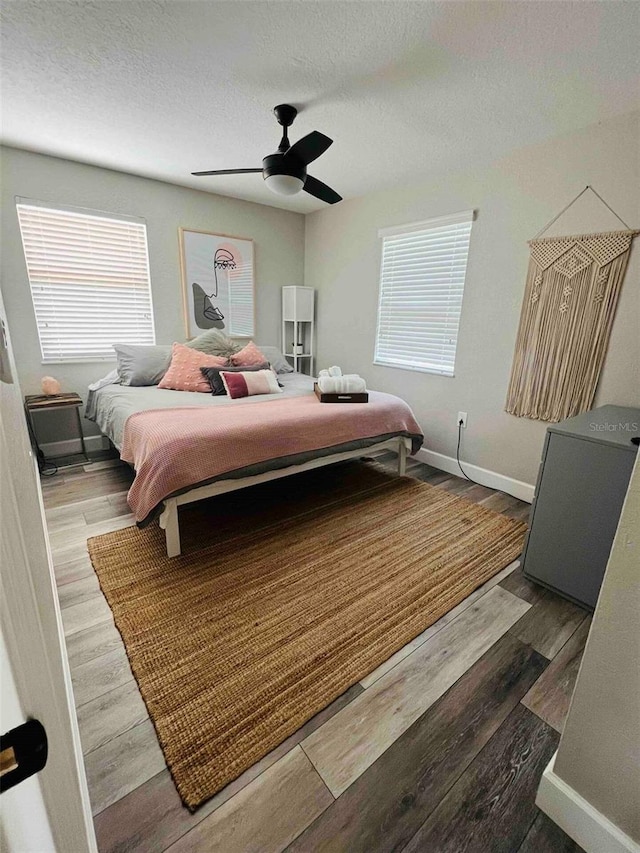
<point>184,371</point>
<point>249,383</point>
<point>248,356</point>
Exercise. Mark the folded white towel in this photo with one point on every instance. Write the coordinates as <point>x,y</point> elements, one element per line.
<point>349,384</point>
<point>323,373</point>
<point>335,371</point>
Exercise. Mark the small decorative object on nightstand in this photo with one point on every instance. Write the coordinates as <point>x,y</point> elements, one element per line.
<point>49,402</point>
<point>50,386</point>
<point>298,327</point>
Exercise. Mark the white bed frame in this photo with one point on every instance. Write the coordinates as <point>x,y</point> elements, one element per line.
<point>169,518</point>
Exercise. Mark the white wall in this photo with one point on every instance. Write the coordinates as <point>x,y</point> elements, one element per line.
<point>340,258</point>
<point>279,253</point>
<point>514,199</point>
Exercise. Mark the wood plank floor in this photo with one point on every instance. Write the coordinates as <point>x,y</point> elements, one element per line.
<point>441,748</point>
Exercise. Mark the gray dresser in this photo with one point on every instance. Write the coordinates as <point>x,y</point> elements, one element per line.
<point>583,478</point>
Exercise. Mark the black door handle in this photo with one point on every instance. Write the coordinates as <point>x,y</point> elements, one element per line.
<point>23,752</point>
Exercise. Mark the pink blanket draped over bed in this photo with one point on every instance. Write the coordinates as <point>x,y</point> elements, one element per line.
<point>174,449</point>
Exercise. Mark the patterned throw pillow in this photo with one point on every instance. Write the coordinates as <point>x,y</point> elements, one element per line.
<point>212,375</point>
<point>247,383</point>
<point>184,371</point>
<point>248,356</point>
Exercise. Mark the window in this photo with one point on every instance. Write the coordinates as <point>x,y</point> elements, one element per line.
<point>89,277</point>
<point>421,285</point>
<point>241,302</point>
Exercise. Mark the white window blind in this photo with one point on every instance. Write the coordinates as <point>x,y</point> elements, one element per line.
<point>421,285</point>
<point>89,277</point>
<point>241,301</point>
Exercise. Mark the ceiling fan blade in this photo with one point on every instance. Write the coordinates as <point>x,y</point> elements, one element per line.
<point>310,147</point>
<point>227,172</point>
<point>316,188</point>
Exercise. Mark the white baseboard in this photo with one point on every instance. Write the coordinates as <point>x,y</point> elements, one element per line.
<point>491,479</point>
<point>588,827</point>
<point>72,445</point>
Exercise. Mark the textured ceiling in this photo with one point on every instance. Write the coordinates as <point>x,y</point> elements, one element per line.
<point>405,89</point>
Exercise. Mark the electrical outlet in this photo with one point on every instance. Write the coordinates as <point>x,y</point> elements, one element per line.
<point>462,416</point>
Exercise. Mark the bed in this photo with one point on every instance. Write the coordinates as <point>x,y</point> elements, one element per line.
<point>188,446</point>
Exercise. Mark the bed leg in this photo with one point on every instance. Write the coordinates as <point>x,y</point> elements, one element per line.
<point>169,523</point>
<point>402,457</point>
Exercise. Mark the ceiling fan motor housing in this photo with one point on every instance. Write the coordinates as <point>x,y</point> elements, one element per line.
<point>278,164</point>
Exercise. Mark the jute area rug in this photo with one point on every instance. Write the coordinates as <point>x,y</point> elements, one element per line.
<point>286,594</point>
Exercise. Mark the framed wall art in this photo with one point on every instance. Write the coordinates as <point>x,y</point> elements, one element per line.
<point>217,283</point>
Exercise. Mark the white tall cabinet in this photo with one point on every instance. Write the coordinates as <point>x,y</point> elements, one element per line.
<point>298,332</point>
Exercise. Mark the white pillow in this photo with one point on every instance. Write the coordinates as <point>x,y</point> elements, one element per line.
<point>249,383</point>
<point>111,378</point>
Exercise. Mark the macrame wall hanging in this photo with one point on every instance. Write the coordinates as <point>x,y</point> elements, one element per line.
<point>572,288</point>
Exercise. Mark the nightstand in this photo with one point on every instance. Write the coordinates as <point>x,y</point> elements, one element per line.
<point>47,403</point>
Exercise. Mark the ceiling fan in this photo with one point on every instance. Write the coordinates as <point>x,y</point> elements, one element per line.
<point>285,172</point>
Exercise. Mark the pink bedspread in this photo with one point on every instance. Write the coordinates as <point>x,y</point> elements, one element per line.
<point>174,449</point>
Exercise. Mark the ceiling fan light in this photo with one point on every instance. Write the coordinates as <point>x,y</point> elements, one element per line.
<point>284,184</point>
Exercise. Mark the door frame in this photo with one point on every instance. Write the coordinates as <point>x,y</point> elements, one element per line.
<point>32,624</point>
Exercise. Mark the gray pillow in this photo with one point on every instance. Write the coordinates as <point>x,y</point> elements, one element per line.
<point>142,365</point>
<point>214,342</point>
<point>276,359</point>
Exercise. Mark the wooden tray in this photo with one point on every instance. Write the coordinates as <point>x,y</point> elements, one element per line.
<point>340,398</point>
<point>55,401</point>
